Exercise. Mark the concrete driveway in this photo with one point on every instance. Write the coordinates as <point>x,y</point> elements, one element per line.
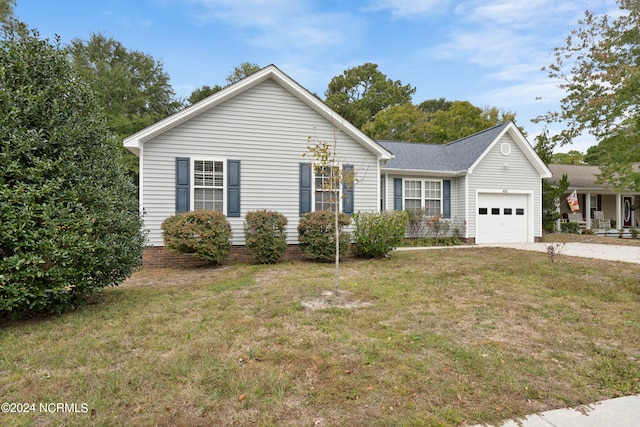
<point>586,250</point>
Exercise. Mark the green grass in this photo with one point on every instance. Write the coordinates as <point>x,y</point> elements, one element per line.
<point>450,336</point>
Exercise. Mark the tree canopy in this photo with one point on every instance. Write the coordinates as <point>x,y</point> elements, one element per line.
<point>599,70</point>
<point>131,86</point>
<point>6,9</point>
<point>69,221</point>
<point>359,93</point>
<point>240,72</point>
<point>399,123</point>
<point>433,121</point>
<point>203,92</point>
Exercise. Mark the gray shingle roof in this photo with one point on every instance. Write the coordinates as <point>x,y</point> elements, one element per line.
<point>455,156</point>
<point>579,176</point>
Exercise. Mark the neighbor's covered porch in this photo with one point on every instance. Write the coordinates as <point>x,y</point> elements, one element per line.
<point>601,210</point>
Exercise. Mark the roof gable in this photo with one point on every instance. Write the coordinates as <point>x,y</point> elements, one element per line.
<point>460,156</point>
<point>135,142</point>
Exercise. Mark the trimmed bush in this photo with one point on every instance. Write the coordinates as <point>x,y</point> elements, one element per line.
<point>206,234</point>
<point>266,235</point>
<point>377,234</point>
<point>316,233</point>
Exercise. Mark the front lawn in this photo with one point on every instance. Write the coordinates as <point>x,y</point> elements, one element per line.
<point>440,337</point>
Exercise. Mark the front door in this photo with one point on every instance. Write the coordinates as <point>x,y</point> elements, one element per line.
<point>627,213</point>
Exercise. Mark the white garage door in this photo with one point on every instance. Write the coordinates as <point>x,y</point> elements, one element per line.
<point>502,218</point>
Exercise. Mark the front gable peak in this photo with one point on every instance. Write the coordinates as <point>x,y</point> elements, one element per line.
<point>135,142</point>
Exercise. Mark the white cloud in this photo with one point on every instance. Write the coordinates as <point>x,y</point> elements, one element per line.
<point>487,47</point>
<point>246,13</point>
<point>517,14</point>
<point>407,8</point>
<point>281,24</point>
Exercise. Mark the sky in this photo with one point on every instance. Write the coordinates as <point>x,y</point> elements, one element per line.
<point>487,52</point>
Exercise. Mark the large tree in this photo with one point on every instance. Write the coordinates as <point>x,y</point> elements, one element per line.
<point>361,92</point>
<point>399,123</point>
<point>131,86</point>
<point>6,9</point>
<point>203,92</point>
<point>434,121</point>
<point>599,70</point>
<point>69,221</point>
<point>240,72</point>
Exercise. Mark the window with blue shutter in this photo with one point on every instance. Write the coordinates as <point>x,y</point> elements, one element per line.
<point>347,189</point>
<point>183,178</point>
<point>446,198</point>
<point>233,188</point>
<point>397,194</point>
<point>305,188</point>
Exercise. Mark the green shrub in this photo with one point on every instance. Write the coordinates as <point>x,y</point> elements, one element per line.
<point>266,235</point>
<point>377,234</point>
<point>206,234</point>
<point>430,241</point>
<point>69,219</point>
<point>316,234</point>
<point>569,227</point>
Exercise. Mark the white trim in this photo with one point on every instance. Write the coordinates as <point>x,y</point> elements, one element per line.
<point>422,192</point>
<point>379,188</point>
<point>140,182</point>
<point>466,207</point>
<point>422,172</point>
<point>192,187</point>
<point>313,193</point>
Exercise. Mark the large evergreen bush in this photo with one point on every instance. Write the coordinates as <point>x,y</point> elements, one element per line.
<point>69,221</point>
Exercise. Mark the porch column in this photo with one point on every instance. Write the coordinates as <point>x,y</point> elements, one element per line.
<point>587,209</point>
<point>557,202</point>
<point>619,212</point>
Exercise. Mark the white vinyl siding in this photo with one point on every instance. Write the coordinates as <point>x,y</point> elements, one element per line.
<point>267,129</point>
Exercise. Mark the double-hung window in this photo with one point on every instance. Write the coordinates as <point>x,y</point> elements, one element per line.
<point>208,185</point>
<point>327,190</point>
<point>412,195</point>
<point>423,194</point>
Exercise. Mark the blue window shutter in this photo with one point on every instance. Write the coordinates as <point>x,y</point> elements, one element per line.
<point>397,194</point>
<point>183,179</point>
<point>446,198</point>
<point>347,190</point>
<point>233,188</point>
<point>305,188</point>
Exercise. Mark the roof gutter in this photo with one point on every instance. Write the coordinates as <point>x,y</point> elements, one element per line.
<point>425,172</point>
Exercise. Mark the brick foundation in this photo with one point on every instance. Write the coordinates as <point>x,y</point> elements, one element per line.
<point>159,257</point>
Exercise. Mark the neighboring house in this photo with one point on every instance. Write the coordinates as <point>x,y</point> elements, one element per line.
<point>617,206</point>
<point>492,180</point>
<point>241,149</point>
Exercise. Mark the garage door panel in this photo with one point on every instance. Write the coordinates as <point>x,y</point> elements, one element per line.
<point>502,218</point>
